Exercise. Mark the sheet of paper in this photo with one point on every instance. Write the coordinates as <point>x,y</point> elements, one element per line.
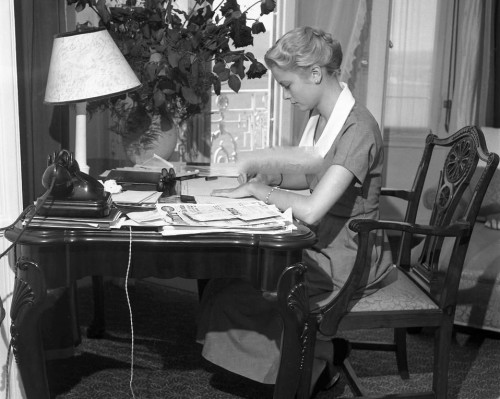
<point>180,168</point>
<point>210,199</point>
<point>219,170</point>
<point>203,187</point>
<point>177,231</point>
<point>136,197</point>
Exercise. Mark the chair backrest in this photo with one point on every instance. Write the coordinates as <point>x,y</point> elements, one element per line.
<point>459,190</point>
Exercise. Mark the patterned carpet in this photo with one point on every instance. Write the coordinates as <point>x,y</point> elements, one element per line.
<point>168,364</point>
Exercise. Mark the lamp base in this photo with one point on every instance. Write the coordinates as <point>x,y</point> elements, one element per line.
<point>74,208</point>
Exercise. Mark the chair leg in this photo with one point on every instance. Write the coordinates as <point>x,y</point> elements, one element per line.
<point>352,379</point>
<point>341,351</point>
<point>401,355</point>
<point>398,346</point>
<point>442,346</point>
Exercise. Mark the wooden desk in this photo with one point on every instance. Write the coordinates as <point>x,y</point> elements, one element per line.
<point>50,260</point>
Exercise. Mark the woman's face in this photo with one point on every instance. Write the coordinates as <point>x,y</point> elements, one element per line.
<point>298,87</point>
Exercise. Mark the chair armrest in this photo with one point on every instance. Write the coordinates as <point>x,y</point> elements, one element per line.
<point>331,313</point>
<point>398,193</point>
<point>453,230</point>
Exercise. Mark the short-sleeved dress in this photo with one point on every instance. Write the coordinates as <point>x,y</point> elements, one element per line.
<point>240,331</point>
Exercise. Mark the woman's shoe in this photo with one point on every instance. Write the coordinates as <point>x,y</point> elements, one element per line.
<point>328,378</point>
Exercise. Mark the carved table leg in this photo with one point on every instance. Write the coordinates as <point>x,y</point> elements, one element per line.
<point>299,333</point>
<point>27,307</point>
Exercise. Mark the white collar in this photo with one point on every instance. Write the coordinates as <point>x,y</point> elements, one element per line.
<point>339,115</point>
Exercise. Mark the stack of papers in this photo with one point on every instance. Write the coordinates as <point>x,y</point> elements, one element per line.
<point>104,223</point>
<point>251,217</point>
<point>136,198</point>
<point>237,216</point>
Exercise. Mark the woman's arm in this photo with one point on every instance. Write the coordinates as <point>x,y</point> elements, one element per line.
<point>310,208</point>
<point>289,181</point>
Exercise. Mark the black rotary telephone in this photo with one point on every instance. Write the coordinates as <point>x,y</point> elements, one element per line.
<point>73,193</point>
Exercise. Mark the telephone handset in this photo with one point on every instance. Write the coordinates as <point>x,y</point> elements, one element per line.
<point>73,192</point>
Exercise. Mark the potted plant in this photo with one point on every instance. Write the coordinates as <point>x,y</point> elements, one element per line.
<point>180,56</point>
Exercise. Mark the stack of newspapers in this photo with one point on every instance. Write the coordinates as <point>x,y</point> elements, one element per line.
<point>238,216</point>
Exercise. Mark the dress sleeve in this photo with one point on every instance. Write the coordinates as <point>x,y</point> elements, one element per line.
<point>356,150</point>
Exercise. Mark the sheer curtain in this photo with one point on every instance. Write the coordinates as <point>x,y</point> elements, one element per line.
<point>473,100</point>
<point>410,65</point>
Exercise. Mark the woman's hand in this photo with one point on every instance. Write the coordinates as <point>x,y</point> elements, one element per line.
<point>241,191</point>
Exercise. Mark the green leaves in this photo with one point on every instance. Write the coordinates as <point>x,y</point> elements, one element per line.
<point>219,67</point>
<point>190,96</point>
<point>238,68</point>
<point>234,83</point>
<point>181,54</point>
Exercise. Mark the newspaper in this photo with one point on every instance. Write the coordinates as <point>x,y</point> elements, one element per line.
<point>239,216</point>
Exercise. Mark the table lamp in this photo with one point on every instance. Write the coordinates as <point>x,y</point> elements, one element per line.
<point>86,65</point>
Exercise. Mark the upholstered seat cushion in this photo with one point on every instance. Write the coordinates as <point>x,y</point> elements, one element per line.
<point>398,293</point>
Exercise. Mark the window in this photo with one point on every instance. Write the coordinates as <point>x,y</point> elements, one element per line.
<point>241,121</point>
<point>410,69</point>
<point>418,67</point>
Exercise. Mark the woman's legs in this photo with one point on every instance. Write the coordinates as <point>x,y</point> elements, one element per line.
<point>324,373</point>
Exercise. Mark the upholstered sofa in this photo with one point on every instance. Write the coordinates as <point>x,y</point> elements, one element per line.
<point>479,292</point>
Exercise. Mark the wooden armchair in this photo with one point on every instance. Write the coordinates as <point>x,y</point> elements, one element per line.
<point>421,292</point>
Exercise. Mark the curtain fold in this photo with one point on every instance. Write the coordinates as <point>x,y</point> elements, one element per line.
<point>43,128</point>
<point>473,100</point>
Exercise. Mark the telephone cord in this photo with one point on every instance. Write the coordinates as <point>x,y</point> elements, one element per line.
<point>130,313</point>
<point>7,371</point>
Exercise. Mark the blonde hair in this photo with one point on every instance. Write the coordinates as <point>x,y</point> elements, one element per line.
<point>304,47</point>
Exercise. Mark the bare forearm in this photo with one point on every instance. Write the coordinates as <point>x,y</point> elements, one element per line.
<point>294,182</point>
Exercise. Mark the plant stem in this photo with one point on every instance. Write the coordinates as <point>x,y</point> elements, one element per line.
<point>253,5</point>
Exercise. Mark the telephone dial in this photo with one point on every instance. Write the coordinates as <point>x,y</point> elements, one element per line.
<point>73,193</point>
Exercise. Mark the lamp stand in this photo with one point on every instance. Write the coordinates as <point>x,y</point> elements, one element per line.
<point>81,136</point>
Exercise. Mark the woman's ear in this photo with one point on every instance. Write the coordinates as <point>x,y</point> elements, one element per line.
<point>316,74</point>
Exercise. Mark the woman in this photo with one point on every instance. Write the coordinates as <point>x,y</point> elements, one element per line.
<point>239,330</point>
